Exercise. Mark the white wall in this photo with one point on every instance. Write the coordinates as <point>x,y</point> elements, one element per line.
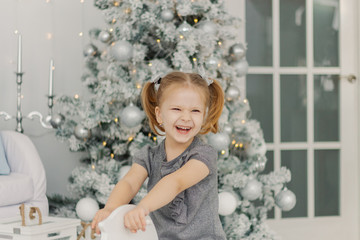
<point>34,19</point>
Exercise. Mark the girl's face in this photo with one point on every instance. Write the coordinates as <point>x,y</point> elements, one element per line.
<point>181,112</point>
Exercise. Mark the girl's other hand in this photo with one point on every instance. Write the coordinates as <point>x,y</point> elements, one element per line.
<point>101,215</point>
<point>135,220</point>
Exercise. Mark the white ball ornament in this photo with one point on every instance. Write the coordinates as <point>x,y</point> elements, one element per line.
<point>227,203</point>
<point>184,28</point>
<point>252,190</point>
<point>212,63</point>
<point>121,50</point>
<point>131,116</point>
<point>286,200</point>
<point>86,209</point>
<point>123,171</point>
<point>208,27</point>
<point>167,15</point>
<point>220,141</point>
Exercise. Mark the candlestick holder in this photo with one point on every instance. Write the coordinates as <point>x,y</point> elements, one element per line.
<point>19,116</point>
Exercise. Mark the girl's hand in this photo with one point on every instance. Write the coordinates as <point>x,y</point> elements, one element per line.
<point>135,219</point>
<point>99,216</point>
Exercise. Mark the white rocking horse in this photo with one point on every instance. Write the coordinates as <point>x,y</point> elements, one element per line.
<point>112,228</point>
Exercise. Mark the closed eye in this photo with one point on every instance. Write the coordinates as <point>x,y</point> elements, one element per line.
<point>196,110</point>
<point>176,109</point>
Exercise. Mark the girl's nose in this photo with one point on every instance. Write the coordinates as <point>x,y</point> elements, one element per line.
<point>185,116</point>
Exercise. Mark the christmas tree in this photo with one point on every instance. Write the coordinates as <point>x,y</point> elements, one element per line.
<point>145,39</point>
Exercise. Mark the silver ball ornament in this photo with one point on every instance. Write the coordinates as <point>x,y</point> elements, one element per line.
<point>57,120</point>
<point>220,141</point>
<point>237,51</point>
<point>121,50</point>
<point>208,27</point>
<point>184,28</point>
<point>82,132</point>
<point>286,200</point>
<point>227,203</point>
<point>90,50</point>
<point>167,15</point>
<point>131,116</point>
<point>212,63</point>
<point>232,93</point>
<point>241,67</point>
<point>104,36</point>
<point>252,190</point>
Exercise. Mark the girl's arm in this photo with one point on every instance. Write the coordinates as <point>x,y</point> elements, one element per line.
<point>165,191</point>
<point>123,192</point>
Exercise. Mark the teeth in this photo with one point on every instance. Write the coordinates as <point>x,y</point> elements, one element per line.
<point>184,128</point>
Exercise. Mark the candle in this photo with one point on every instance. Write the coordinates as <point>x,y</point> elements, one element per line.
<point>19,67</point>
<point>51,80</point>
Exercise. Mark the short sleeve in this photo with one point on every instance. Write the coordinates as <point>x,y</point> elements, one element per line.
<point>141,157</point>
<point>206,154</point>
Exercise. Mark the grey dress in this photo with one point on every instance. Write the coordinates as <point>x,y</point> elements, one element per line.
<point>193,214</point>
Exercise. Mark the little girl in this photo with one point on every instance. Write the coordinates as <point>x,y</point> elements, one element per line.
<point>182,197</point>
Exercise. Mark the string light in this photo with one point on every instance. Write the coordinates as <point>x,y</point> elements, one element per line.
<point>16,31</point>
<point>243,121</point>
<point>181,37</point>
<point>116,120</point>
<point>116,4</point>
<point>194,59</point>
<point>233,142</point>
<point>113,21</point>
<point>130,139</point>
<point>241,145</point>
<point>149,135</point>
<point>150,64</point>
<point>237,145</point>
<point>158,40</point>
<point>245,100</point>
<point>93,166</point>
<point>111,30</point>
<point>219,43</point>
<point>138,85</point>
<point>196,20</point>
<point>81,34</point>
<point>223,152</point>
<point>104,143</point>
<point>154,138</point>
<point>76,96</point>
<point>82,1</point>
<point>112,155</point>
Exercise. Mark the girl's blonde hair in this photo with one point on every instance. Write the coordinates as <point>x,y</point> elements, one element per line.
<point>214,99</point>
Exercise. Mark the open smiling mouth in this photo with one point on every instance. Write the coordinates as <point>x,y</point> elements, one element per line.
<point>182,129</point>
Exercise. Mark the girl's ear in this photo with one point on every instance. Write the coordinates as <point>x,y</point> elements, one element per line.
<point>158,115</point>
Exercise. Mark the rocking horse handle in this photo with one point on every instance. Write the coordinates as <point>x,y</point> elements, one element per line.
<point>34,210</point>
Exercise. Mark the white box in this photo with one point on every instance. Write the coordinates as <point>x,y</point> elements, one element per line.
<point>53,228</point>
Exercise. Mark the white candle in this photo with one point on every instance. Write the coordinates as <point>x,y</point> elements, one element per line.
<point>51,80</point>
<point>19,67</point>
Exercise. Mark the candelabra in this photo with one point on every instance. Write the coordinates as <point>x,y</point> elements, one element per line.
<point>46,123</point>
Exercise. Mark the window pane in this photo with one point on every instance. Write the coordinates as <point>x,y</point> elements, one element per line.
<point>260,95</point>
<point>269,168</point>
<point>293,108</point>
<point>259,32</point>
<point>326,33</point>
<point>296,162</point>
<point>327,183</point>
<point>292,33</point>
<point>326,107</point>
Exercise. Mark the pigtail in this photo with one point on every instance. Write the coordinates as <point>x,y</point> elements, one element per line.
<point>149,103</point>
<point>216,105</point>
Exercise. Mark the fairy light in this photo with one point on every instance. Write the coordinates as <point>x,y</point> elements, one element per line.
<point>245,100</point>
<point>219,43</point>
<point>243,121</point>
<point>219,64</point>
<point>116,120</point>
<point>138,85</point>
<point>49,36</point>
<point>112,155</point>
<point>128,10</point>
<point>81,34</point>
<point>158,40</point>
<point>111,30</point>
<point>223,152</point>
<point>93,166</point>
<point>194,59</point>
<point>116,4</point>
<point>241,145</point>
<point>82,1</point>
<point>76,96</point>
<point>134,71</point>
<point>233,142</point>
<point>154,138</point>
<point>104,143</point>
<point>150,64</point>
<point>237,145</point>
<point>149,135</point>
<point>130,139</point>
<point>196,20</point>
<point>16,31</point>
<point>181,37</point>
<point>113,21</point>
